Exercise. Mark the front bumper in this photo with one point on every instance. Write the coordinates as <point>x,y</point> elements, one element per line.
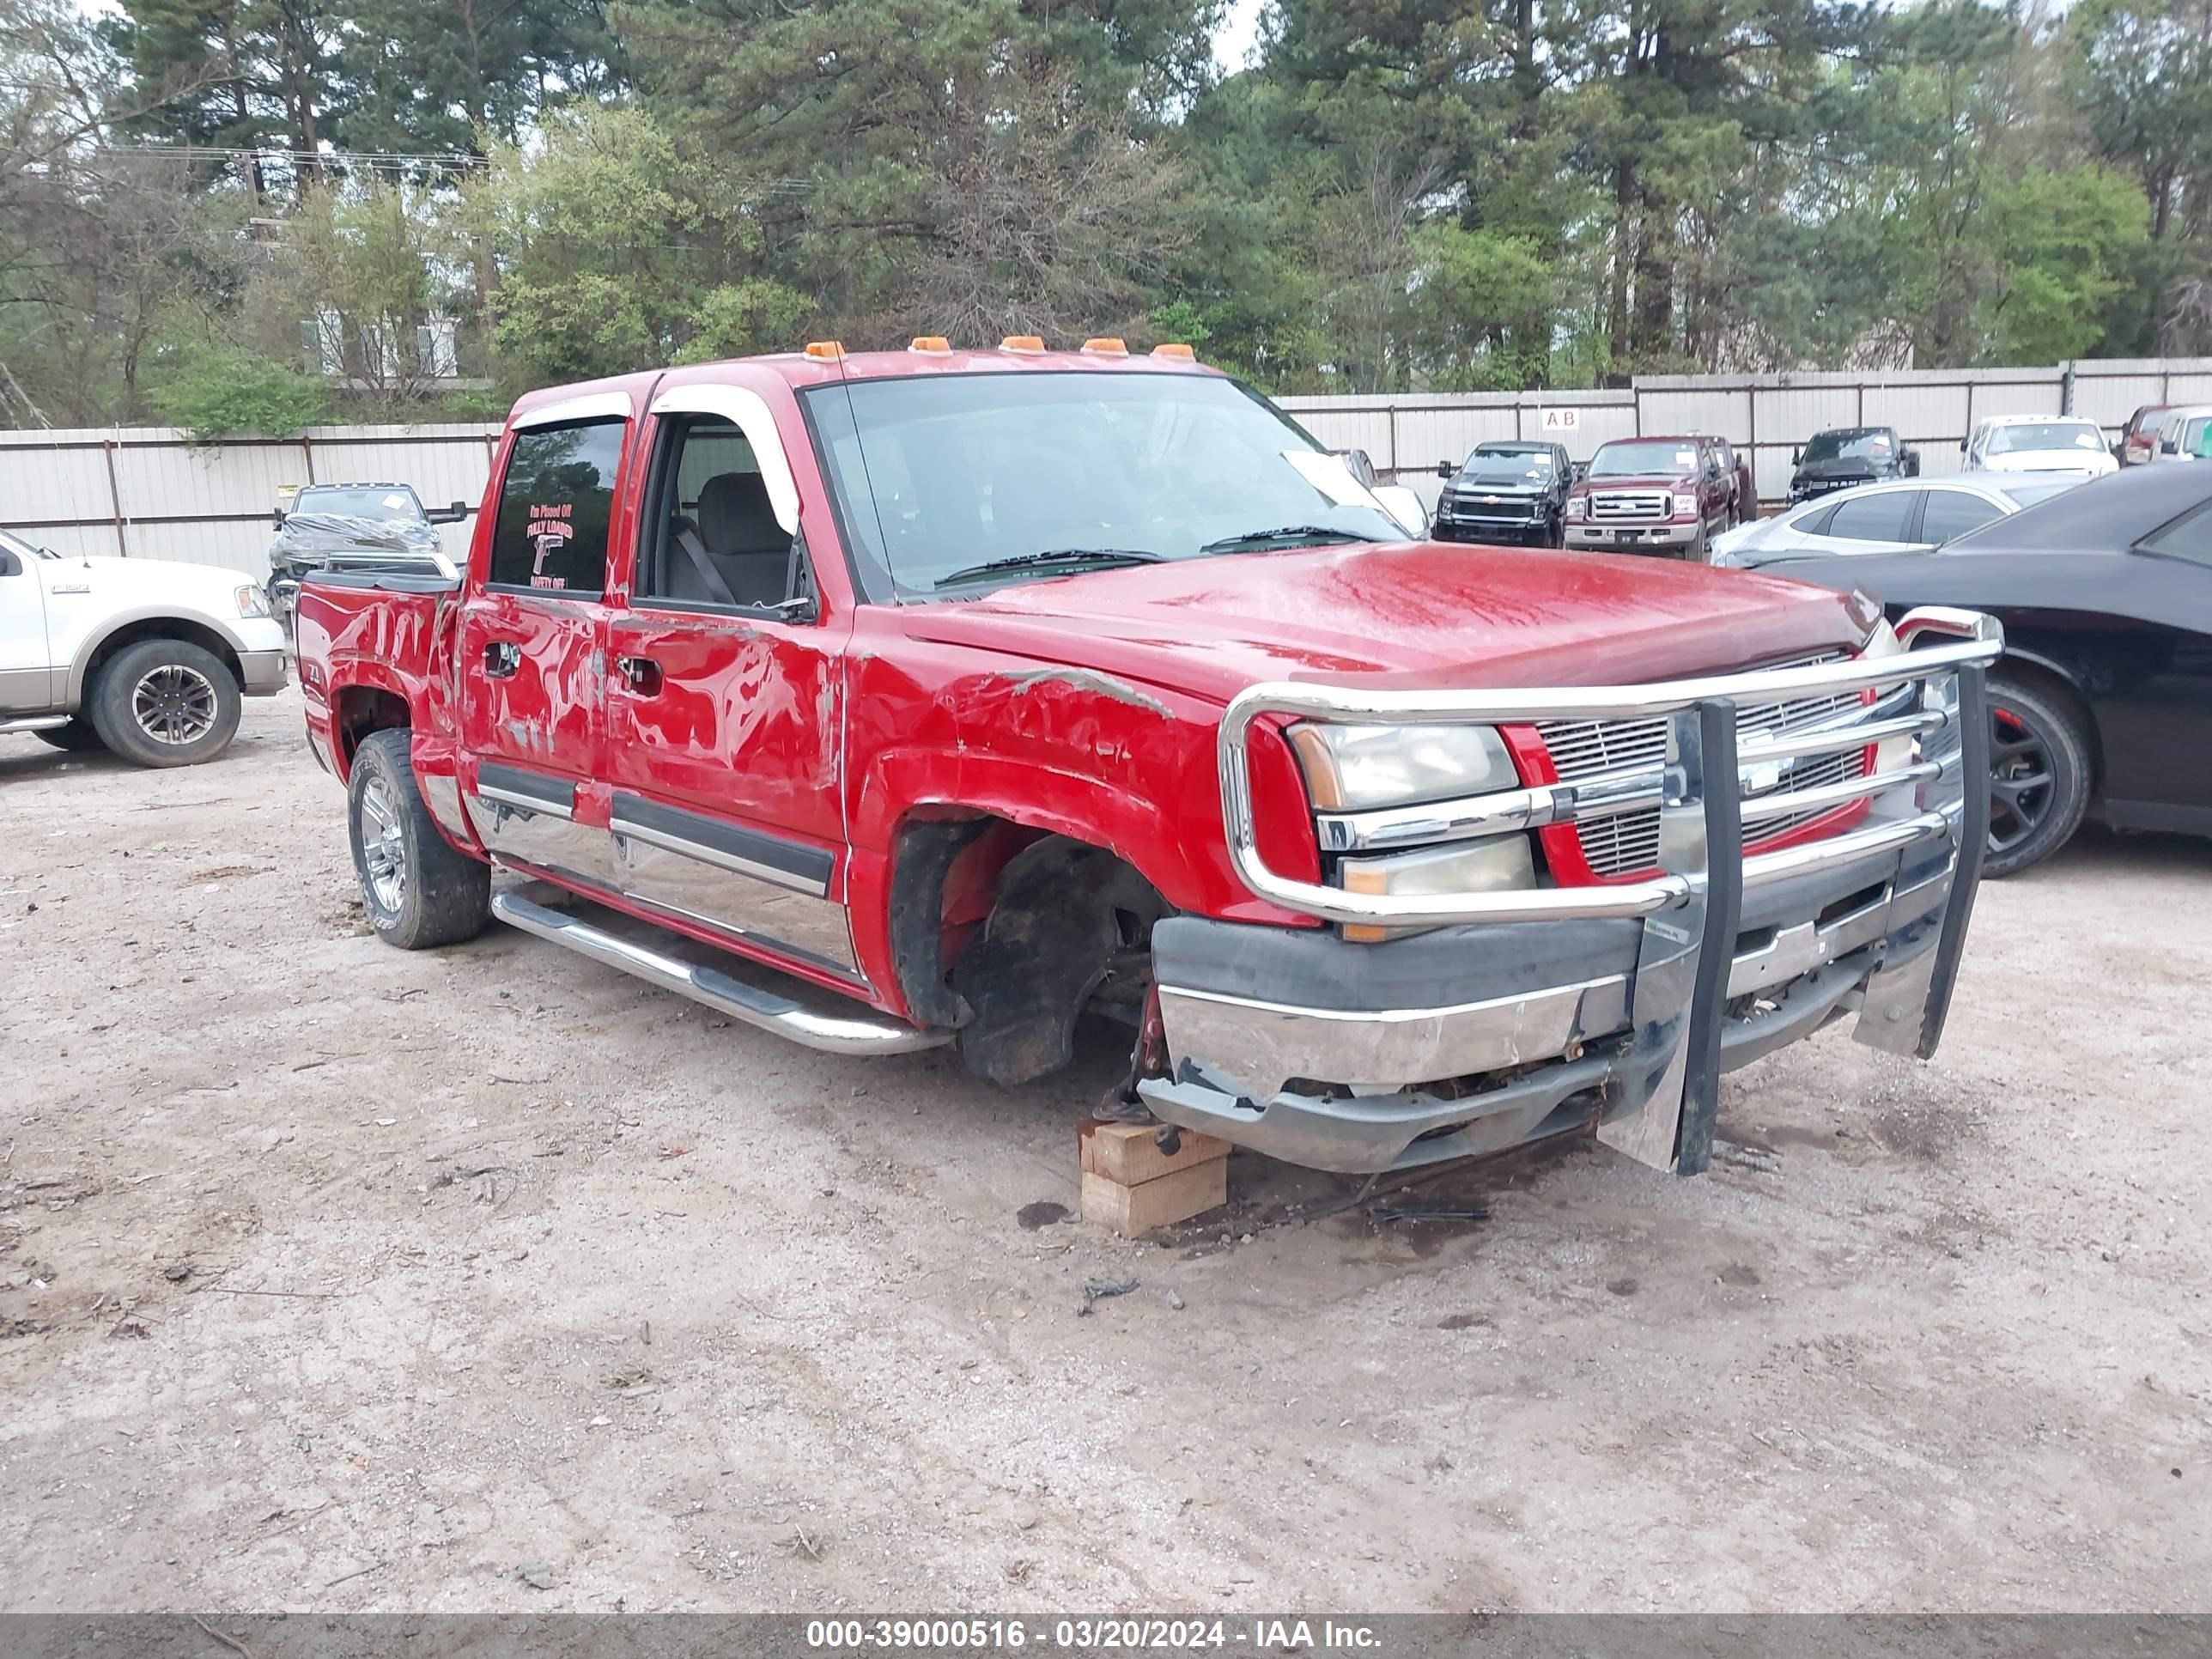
<point>261,674</point>
<point>1631,538</point>
<point>1528,1013</point>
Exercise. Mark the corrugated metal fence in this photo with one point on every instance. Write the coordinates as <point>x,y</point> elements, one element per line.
<point>149,493</point>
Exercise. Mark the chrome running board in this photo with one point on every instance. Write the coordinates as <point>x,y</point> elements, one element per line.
<point>767,1011</point>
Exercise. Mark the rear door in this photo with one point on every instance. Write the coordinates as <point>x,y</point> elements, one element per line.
<point>534,641</point>
<point>726,687</point>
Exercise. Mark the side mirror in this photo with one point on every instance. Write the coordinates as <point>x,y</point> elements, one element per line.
<point>1581,471</point>
<point>276,519</point>
<point>457,513</point>
<point>1962,446</point>
<point>1796,454</point>
<point>1403,505</point>
<point>1911,463</point>
<point>1444,471</point>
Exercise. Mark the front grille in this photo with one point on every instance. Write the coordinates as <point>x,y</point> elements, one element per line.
<point>1629,842</point>
<point>1503,509</point>
<point>1621,506</point>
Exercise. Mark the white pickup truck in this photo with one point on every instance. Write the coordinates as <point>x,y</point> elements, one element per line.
<point>145,657</point>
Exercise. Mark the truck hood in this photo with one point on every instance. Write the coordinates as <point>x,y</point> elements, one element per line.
<point>1642,481</point>
<point>1843,467</point>
<point>1406,616</point>
<point>115,583</point>
<point>2096,463</point>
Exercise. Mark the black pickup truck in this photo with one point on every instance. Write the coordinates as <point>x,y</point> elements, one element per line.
<point>1504,491</point>
<point>1845,456</point>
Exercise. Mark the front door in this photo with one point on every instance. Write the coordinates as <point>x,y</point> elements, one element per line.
<point>724,693</point>
<point>534,643</point>
<point>27,680</point>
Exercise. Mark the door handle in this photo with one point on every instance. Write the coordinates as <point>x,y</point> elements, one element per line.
<point>642,674</point>
<point>501,658</point>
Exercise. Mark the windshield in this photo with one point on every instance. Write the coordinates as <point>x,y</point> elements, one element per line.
<point>2046,434</point>
<point>1642,458</point>
<point>937,475</point>
<point>1858,443</point>
<point>1507,466</point>
<point>363,501</point>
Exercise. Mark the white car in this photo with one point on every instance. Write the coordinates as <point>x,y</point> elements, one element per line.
<point>2181,434</point>
<point>144,657</point>
<point>2039,443</point>
<point>1900,515</point>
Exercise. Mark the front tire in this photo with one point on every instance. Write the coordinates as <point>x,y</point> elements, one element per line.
<point>77,736</point>
<point>2040,775</point>
<point>418,890</point>
<point>165,702</point>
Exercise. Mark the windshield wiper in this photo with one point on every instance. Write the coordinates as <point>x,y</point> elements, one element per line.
<point>1289,535</point>
<point>1074,557</point>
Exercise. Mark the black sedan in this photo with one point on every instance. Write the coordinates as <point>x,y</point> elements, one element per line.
<point>2102,703</point>
<point>1504,491</point>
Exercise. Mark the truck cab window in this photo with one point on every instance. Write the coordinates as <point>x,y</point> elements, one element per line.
<point>554,507</point>
<point>711,535</point>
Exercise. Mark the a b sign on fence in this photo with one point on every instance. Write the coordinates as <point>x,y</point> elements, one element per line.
<point>1562,420</point>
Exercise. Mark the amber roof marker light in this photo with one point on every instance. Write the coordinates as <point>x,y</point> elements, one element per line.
<point>1182,354</point>
<point>930,345</point>
<point>1106,346</point>
<point>825,351</point>
<point>1023,345</point>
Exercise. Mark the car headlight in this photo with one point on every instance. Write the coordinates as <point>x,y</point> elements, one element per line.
<point>1351,767</point>
<point>1578,507</point>
<point>1501,864</point>
<point>1685,506</point>
<point>251,601</point>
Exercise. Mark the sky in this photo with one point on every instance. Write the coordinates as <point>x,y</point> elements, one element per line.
<point>1240,29</point>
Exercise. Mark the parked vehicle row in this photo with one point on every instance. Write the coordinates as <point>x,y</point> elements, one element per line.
<point>983,689</point>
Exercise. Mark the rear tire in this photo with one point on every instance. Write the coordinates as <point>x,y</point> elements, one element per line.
<point>165,702</point>
<point>417,889</point>
<point>2040,774</point>
<point>77,736</point>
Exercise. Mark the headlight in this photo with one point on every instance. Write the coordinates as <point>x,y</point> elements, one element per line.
<point>252,602</point>
<point>1685,506</point>
<point>1501,864</point>
<point>1351,767</point>
<point>1578,507</point>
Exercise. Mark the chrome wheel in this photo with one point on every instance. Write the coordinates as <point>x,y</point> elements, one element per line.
<point>383,846</point>
<point>174,704</point>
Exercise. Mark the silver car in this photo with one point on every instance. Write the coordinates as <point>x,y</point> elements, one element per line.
<point>1897,516</point>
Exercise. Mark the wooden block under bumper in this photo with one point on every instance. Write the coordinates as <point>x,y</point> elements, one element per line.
<point>1177,1196</point>
<point>1130,1153</point>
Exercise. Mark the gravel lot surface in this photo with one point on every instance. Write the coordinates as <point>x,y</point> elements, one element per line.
<point>335,1277</point>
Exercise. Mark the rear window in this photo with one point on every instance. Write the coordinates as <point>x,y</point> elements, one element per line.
<point>554,507</point>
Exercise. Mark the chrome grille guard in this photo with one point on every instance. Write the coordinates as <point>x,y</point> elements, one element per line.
<point>1931,814</point>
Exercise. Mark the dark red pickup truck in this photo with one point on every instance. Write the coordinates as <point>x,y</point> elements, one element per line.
<point>1670,496</point>
<point>908,698</point>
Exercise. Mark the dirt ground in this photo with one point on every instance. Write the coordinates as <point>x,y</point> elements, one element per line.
<point>722,1324</point>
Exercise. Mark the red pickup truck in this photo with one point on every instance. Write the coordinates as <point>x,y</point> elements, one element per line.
<point>899,699</point>
<point>1670,496</point>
